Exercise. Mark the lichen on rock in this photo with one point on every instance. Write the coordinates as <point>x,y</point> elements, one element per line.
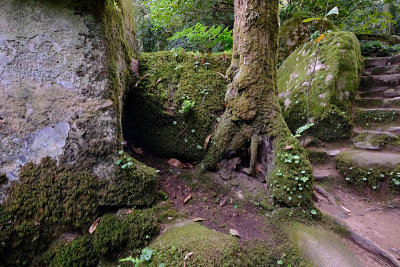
<point>335,78</point>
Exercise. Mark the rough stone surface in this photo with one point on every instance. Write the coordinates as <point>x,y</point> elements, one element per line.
<point>323,248</point>
<point>53,79</point>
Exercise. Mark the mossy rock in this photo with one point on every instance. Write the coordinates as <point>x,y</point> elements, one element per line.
<point>209,247</point>
<point>294,32</point>
<point>177,92</point>
<point>135,185</point>
<point>323,248</point>
<point>335,81</point>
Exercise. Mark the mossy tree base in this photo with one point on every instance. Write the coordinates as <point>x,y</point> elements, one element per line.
<point>252,111</point>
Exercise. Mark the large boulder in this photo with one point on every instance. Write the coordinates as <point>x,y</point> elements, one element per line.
<point>177,100</point>
<point>64,68</point>
<point>295,32</point>
<point>333,68</point>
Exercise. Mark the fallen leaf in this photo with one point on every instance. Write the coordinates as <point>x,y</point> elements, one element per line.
<point>288,147</point>
<point>141,79</point>
<point>244,211</point>
<point>159,80</point>
<point>199,219</point>
<point>234,232</point>
<point>176,163</point>
<point>187,166</point>
<point>93,227</point>
<point>169,218</point>
<point>2,121</point>
<point>129,211</point>
<point>320,38</point>
<point>207,141</point>
<point>138,151</point>
<point>186,258</point>
<point>189,197</point>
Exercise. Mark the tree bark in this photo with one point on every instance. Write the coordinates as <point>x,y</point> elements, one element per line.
<point>253,115</point>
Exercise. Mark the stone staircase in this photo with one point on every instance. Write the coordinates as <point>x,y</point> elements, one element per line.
<point>369,164</point>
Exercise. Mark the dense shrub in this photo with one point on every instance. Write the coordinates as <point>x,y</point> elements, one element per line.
<point>377,49</point>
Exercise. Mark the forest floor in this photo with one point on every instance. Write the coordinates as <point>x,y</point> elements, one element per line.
<point>223,208</point>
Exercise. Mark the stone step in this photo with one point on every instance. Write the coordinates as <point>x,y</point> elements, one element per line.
<point>376,140</point>
<point>390,130</point>
<point>381,61</point>
<point>367,118</point>
<point>381,92</point>
<point>376,102</point>
<point>371,82</point>
<point>369,169</point>
<point>382,70</point>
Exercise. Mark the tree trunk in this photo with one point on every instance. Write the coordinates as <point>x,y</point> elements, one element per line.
<point>253,114</point>
<point>388,8</point>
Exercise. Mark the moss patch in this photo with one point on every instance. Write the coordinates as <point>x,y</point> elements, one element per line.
<point>317,156</point>
<point>368,118</point>
<point>369,175</point>
<point>210,248</point>
<point>134,185</point>
<point>335,81</point>
<point>375,139</point>
<point>113,234</point>
<point>47,201</point>
<point>177,92</point>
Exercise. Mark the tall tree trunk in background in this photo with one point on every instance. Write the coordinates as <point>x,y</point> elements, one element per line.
<point>389,8</point>
<point>253,114</point>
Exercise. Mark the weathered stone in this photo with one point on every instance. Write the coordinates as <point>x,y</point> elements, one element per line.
<point>63,72</point>
<point>323,248</point>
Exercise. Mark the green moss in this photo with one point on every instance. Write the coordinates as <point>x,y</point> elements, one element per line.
<point>210,248</point>
<point>113,234</point>
<point>292,178</point>
<point>378,139</point>
<point>368,118</point>
<point>361,176</point>
<point>170,81</point>
<point>134,185</point>
<point>79,252</point>
<point>317,156</point>
<point>47,200</point>
<point>133,232</point>
<point>334,85</point>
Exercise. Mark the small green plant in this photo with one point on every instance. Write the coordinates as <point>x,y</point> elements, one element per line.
<point>303,128</point>
<point>145,256</point>
<point>126,161</point>
<point>205,38</point>
<point>187,105</point>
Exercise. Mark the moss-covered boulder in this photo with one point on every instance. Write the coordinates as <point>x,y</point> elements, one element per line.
<point>208,247</point>
<point>294,32</point>
<point>333,69</point>
<point>177,101</point>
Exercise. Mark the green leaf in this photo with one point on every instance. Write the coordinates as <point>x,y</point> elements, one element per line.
<point>311,19</point>
<point>334,11</point>
<point>313,212</point>
<point>280,262</point>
